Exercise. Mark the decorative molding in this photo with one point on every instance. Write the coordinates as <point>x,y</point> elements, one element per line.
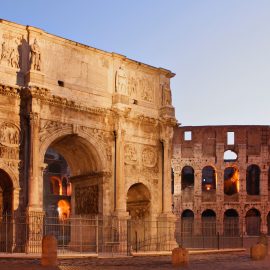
<point>9,91</point>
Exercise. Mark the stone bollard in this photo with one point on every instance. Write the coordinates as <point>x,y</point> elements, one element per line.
<point>49,251</point>
<point>258,252</point>
<point>179,256</point>
<point>263,239</point>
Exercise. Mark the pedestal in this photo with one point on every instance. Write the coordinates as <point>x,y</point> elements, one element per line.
<point>34,77</point>
<point>166,232</point>
<point>35,218</point>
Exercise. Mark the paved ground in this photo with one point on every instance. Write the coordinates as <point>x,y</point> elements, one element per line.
<point>234,261</point>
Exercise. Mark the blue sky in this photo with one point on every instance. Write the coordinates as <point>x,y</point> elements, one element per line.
<point>219,49</point>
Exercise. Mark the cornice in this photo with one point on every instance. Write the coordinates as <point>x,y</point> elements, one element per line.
<point>11,91</point>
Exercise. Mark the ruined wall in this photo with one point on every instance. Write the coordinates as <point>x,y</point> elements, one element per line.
<point>240,183</point>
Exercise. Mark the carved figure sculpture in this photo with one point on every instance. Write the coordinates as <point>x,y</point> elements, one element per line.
<point>121,81</point>
<point>14,58</point>
<point>35,56</point>
<point>5,51</point>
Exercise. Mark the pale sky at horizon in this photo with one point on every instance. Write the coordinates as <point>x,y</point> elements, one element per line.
<point>219,49</point>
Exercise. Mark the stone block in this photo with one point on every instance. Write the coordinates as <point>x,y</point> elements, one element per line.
<point>49,251</point>
<point>180,256</point>
<point>258,252</point>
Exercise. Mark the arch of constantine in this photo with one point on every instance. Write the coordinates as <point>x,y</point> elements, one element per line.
<point>82,131</point>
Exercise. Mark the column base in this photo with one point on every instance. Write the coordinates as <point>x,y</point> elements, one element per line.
<point>167,231</point>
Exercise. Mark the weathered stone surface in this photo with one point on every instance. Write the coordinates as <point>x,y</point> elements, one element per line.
<point>180,256</point>
<point>49,251</point>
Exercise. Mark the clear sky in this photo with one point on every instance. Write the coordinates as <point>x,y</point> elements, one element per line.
<point>219,49</point>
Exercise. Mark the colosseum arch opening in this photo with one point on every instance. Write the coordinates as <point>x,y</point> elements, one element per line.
<point>209,223</point>
<point>231,180</point>
<point>209,180</point>
<point>253,180</point>
<point>253,222</point>
<point>187,183</point>
<point>231,223</point>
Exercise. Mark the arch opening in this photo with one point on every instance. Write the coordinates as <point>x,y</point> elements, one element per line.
<point>231,223</point>
<point>139,207</point>
<point>6,193</point>
<point>231,180</point>
<point>187,178</point>
<point>209,223</point>
<point>230,156</point>
<point>187,224</point>
<point>253,222</point>
<point>74,175</point>
<point>253,180</point>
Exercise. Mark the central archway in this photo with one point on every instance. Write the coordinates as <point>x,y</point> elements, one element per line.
<point>73,161</point>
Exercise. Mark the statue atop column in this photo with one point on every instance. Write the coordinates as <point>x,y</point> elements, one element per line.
<point>35,56</point>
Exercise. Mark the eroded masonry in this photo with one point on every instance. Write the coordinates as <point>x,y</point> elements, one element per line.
<point>221,179</point>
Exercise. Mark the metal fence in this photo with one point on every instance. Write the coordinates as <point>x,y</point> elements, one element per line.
<point>111,235</point>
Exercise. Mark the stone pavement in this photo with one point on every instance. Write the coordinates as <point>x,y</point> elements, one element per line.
<point>228,261</point>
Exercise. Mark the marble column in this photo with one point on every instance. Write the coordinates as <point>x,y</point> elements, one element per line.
<point>34,203</point>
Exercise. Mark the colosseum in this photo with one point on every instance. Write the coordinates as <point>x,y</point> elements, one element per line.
<point>221,180</point>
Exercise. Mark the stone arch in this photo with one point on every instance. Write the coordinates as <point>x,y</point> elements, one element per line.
<point>138,201</point>
<point>6,193</point>
<point>93,143</point>
<point>209,222</point>
<point>231,222</point>
<point>187,177</point>
<point>231,180</point>
<point>253,180</point>
<point>230,156</point>
<point>187,226</point>
<point>139,207</point>
<point>85,160</point>
<point>15,184</point>
<point>209,178</point>
<point>253,221</point>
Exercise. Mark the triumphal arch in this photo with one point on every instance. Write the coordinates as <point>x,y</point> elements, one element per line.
<point>82,126</point>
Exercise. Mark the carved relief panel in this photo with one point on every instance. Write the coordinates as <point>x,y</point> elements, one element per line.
<point>9,141</point>
<point>86,200</point>
<point>10,50</point>
<point>149,157</point>
<point>130,154</point>
<point>136,84</point>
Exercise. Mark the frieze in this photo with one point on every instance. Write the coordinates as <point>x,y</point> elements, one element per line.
<point>149,157</point>
<point>9,135</point>
<point>86,200</point>
<point>9,54</point>
<point>9,153</point>
<point>130,154</point>
<point>135,85</point>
